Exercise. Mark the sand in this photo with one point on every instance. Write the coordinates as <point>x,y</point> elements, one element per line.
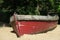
<point>5,34</point>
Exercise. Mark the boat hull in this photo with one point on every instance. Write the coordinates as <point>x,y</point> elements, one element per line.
<point>30,24</point>
<point>31,27</point>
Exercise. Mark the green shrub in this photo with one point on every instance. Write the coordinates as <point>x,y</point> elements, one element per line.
<point>29,7</point>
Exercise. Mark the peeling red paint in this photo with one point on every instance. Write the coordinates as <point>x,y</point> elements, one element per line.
<point>30,27</point>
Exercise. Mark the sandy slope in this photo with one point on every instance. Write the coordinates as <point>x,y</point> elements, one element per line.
<point>5,34</point>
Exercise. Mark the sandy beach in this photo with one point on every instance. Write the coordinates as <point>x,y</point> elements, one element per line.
<point>6,34</point>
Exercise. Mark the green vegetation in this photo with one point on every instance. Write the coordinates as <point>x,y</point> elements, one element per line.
<point>28,7</point>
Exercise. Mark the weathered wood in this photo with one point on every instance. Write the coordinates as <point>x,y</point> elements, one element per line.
<point>33,17</point>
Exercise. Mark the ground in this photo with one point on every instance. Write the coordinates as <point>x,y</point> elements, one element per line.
<point>5,34</point>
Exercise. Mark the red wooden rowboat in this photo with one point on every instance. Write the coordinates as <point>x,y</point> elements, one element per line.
<point>30,24</point>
